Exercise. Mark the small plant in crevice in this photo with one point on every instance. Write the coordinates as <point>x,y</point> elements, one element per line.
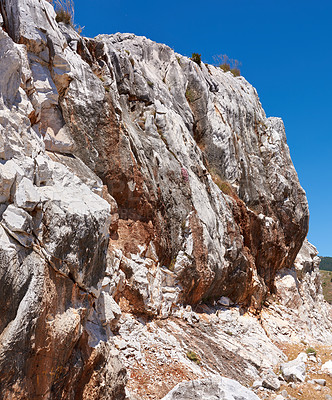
<point>311,350</point>
<point>196,58</point>
<point>185,175</point>
<point>172,264</point>
<point>223,185</point>
<point>151,84</point>
<point>190,95</point>
<point>235,72</point>
<point>193,357</point>
<point>225,67</point>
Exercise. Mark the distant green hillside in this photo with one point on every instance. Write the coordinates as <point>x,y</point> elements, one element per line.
<point>326,263</point>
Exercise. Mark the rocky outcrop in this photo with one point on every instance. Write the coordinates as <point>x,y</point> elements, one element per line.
<point>201,177</point>
<point>137,184</point>
<point>203,181</point>
<point>301,312</point>
<point>54,237</point>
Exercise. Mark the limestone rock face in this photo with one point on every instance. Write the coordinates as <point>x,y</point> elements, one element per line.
<point>204,184</point>
<point>207,197</point>
<point>135,181</point>
<point>53,239</point>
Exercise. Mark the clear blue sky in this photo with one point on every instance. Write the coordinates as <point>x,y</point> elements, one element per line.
<point>286,53</point>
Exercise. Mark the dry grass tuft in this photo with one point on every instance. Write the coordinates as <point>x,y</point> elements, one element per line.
<point>64,11</point>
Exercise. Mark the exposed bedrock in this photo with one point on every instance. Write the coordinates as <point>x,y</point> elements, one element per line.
<point>132,180</point>
<point>200,176</point>
<point>54,231</point>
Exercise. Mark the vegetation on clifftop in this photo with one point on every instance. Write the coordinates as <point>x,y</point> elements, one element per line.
<point>326,263</point>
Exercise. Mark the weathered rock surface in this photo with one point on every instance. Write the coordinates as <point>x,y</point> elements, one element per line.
<point>175,143</point>
<point>270,380</point>
<point>301,312</point>
<point>327,367</point>
<point>136,184</point>
<point>53,235</point>
<point>166,127</point>
<point>217,388</point>
<point>295,370</point>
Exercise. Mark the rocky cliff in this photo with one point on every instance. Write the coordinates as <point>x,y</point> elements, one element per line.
<point>146,203</point>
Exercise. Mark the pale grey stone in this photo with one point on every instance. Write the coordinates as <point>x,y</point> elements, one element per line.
<point>19,224</point>
<point>295,370</point>
<point>321,382</point>
<point>209,389</point>
<point>224,301</point>
<point>327,367</point>
<point>257,384</point>
<point>270,380</point>
<point>26,195</point>
<point>7,179</point>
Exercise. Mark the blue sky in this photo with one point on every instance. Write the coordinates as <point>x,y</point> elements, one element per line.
<point>286,53</point>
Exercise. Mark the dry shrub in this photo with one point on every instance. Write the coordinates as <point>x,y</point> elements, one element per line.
<point>227,64</point>
<point>64,11</point>
<point>222,184</point>
<point>196,58</point>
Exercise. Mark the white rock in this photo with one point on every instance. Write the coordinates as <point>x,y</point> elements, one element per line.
<point>18,223</point>
<point>211,389</point>
<point>321,382</point>
<point>295,370</point>
<point>10,64</point>
<point>270,381</point>
<point>43,174</point>
<point>26,195</point>
<point>327,367</point>
<point>257,384</point>
<point>7,178</point>
<point>224,301</point>
<point>109,310</point>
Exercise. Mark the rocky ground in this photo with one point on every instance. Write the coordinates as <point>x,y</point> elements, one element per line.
<point>219,341</point>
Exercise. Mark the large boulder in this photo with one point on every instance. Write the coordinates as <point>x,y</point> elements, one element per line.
<point>215,388</point>
<point>295,370</point>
